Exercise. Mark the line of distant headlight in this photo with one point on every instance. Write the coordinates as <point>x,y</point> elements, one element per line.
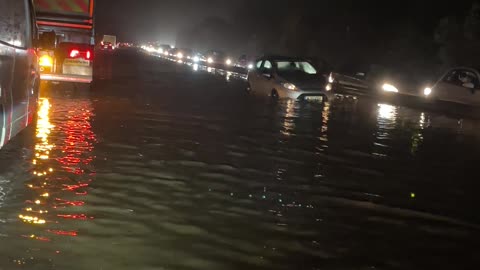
<point>195,59</point>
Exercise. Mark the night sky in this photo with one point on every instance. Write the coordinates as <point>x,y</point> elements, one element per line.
<point>154,19</point>
<point>160,20</point>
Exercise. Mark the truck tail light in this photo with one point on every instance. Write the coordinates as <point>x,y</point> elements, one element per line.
<point>74,53</point>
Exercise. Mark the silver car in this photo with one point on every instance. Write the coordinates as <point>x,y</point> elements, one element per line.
<point>286,77</point>
<point>458,85</point>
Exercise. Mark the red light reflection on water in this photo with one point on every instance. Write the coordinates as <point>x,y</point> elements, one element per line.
<point>61,170</point>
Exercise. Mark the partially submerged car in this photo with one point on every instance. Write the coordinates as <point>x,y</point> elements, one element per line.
<point>288,77</point>
<point>457,85</point>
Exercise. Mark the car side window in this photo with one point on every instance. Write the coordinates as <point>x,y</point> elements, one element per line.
<point>258,65</point>
<point>267,65</point>
<point>13,22</point>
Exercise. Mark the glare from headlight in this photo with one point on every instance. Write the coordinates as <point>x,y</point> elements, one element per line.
<point>180,55</point>
<point>228,62</point>
<point>289,86</point>
<point>250,66</point>
<point>389,88</point>
<point>210,60</point>
<point>328,87</point>
<point>196,59</point>
<point>166,53</point>
<point>160,50</point>
<point>427,91</point>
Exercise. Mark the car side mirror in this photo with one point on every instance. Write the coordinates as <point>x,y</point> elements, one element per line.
<point>469,85</point>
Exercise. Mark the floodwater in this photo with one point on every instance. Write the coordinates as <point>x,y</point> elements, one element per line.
<point>164,166</point>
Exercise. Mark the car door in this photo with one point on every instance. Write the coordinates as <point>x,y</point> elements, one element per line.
<point>459,85</point>
<point>254,74</point>
<point>264,79</point>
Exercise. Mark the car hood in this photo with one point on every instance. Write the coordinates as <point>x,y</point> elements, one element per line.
<point>305,81</point>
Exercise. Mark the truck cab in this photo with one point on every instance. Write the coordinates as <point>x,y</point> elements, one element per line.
<point>66,40</point>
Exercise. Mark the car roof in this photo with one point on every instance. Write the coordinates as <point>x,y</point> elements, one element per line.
<point>282,58</point>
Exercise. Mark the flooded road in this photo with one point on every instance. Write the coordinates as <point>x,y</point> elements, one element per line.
<point>164,166</point>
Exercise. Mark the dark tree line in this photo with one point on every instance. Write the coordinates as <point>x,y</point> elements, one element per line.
<point>423,35</point>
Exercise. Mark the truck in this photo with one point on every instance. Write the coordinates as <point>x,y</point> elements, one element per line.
<point>66,40</point>
<point>108,42</point>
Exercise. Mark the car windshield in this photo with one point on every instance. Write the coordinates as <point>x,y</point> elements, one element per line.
<point>295,67</point>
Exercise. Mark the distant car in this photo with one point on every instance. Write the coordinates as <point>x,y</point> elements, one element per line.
<point>245,62</point>
<point>19,68</point>
<point>198,57</point>
<point>107,46</point>
<point>163,49</point>
<point>377,80</point>
<point>457,85</point>
<point>218,57</point>
<point>287,77</point>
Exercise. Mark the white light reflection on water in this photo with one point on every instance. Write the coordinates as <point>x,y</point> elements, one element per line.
<point>289,119</point>
<point>324,129</point>
<point>386,122</point>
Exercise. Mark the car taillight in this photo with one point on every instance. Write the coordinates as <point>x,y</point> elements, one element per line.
<point>89,55</point>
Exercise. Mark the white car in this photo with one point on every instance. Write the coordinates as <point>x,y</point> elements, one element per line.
<point>458,85</point>
<point>287,77</point>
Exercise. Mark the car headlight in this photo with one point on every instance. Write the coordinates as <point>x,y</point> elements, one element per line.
<point>196,59</point>
<point>228,62</point>
<point>180,55</point>
<point>427,91</point>
<point>290,86</point>
<point>329,87</point>
<point>210,60</point>
<point>250,66</point>
<point>166,53</point>
<point>389,88</point>
<point>330,78</point>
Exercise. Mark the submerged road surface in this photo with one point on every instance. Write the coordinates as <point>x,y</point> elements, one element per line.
<point>163,166</point>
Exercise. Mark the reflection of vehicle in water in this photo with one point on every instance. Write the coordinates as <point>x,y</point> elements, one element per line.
<point>458,85</point>
<point>67,40</point>
<point>19,72</point>
<point>286,77</point>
